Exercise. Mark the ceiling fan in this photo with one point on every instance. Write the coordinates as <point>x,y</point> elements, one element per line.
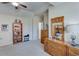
<point>15,4</point>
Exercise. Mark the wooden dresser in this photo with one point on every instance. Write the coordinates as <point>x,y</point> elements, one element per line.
<point>73,51</point>
<point>55,48</point>
<point>58,48</point>
<point>44,34</point>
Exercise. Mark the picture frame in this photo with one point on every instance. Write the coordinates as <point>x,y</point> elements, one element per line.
<point>4,27</point>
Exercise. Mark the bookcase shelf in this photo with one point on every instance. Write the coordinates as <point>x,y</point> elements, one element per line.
<point>17,31</point>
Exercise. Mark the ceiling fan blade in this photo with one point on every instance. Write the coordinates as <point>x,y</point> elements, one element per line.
<point>23,5</point>
<point>5,2</point>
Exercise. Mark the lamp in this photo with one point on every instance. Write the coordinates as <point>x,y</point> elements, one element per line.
<point>15,4</point>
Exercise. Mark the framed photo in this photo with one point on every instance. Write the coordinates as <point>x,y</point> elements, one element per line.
<point>4,27</point>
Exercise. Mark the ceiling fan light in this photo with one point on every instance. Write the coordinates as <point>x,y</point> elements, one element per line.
<point>15,4</point>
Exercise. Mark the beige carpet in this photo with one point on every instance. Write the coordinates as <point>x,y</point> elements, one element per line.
<point>30,48</point>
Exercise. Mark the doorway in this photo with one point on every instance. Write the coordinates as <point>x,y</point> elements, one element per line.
<point>40,27</point>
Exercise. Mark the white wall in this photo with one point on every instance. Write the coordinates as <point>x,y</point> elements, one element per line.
<point>45,20</point>
<point>36,20</point>
<point>50,15</point>
<point>6,37</point>
<point>70,11</point>
<point>35,23</point>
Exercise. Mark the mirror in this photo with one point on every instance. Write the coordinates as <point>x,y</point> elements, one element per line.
<point>72,31</point>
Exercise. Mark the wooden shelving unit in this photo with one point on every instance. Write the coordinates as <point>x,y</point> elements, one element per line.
<point>44,34</point>
<point>57,27</point>
<point>17,31</point>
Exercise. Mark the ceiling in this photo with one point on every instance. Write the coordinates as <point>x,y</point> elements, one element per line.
<point>32,7</point>
<point>56,3</point>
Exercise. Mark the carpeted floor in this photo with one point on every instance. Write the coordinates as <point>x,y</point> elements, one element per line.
<point>30,48</point>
